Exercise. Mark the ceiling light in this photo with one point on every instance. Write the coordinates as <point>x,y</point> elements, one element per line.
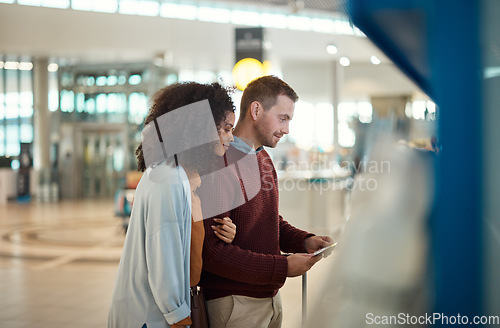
<point>53,67</point>
<point>274,20</point>
<point>299,23</point>
<point>323,25</point>
<point>240,17</point>
<point>344,61</point>
<point>11,65</point>
<point>25,66</point>
<point>173,10</point>
<point>374,60</point>
<point>331,49</point>
<point>217,15</point>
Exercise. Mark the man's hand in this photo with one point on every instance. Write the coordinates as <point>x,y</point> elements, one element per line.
<point>299,263</point>
<point>315,243</point>
<point>225,230</point>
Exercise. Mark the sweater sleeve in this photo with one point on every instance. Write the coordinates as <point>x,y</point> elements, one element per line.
<point>232,262</point>
<point>229,260</point>
<point>292,240</point>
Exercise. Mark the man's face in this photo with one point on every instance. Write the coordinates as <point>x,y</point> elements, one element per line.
<point>273,124</point>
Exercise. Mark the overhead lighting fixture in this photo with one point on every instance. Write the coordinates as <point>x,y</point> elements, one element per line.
<point>240,17</point>
<point>344,61</point>
<point>274,20</point>
<point>216,15</point>
<point>11,65</point>
<point>174,10</point>
<point>374,60</point>
<point>331,49</point>
<point>301,23</point>
<point>25,66</point>
<point>53,67</point>
<point>323,25</point>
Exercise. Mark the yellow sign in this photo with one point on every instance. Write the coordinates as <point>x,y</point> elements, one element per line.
<point>246,70</point>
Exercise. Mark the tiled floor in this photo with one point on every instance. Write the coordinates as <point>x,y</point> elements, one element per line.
<point>58,263</point>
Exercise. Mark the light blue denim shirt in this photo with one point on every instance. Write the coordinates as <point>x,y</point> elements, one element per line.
<point>152,283</point>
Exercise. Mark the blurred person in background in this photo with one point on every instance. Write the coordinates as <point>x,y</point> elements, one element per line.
<point>241,280</point>
<point>161,256</point>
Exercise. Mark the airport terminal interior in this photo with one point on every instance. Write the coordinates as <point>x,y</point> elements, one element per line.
<point>363,163</point>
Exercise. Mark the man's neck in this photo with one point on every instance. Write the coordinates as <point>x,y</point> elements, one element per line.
<point>246,132</point>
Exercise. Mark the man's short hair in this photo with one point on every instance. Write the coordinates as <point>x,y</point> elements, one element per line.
<point>265,90</point>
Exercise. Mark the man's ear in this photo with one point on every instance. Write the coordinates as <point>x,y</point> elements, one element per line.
<point>255,108</point>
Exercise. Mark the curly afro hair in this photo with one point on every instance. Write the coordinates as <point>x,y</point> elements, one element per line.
<point>181,94</point>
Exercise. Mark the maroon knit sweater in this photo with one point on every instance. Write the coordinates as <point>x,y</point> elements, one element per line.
<point>252,265</point>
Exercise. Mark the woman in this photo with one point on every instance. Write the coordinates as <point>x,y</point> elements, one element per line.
<point>161,256</point>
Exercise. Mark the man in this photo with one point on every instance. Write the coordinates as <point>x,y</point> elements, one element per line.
<point>241,280</point>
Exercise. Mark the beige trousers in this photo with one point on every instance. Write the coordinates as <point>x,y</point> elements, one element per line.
<point>237,311</point>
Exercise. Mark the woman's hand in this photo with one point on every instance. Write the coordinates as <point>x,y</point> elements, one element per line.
<point>225,230</point>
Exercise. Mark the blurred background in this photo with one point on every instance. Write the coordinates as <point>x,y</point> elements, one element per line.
<point>391,149</point>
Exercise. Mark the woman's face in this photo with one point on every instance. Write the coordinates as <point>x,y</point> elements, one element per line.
<point>225,134</point>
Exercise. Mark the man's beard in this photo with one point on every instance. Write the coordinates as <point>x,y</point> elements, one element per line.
<point>266,139</point>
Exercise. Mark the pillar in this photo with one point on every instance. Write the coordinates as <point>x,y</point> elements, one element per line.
<point>41,122</point>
